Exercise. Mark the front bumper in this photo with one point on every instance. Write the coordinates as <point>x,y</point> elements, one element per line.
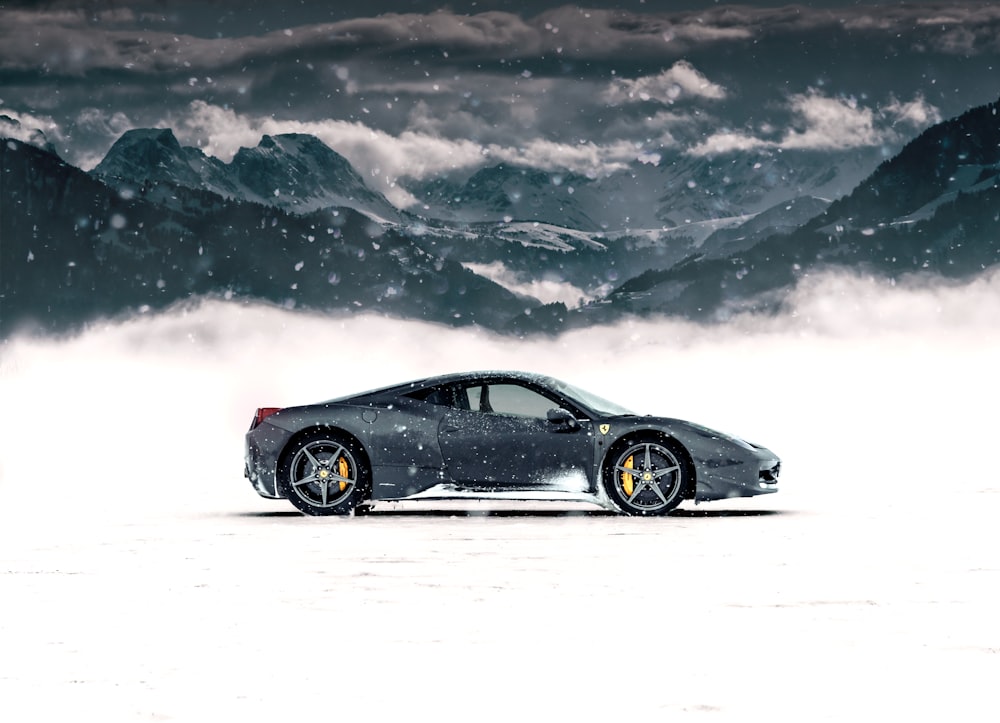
<point>753,473</point>
<point>767,477</point>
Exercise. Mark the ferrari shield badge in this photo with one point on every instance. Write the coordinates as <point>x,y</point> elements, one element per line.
<point>605,428</point>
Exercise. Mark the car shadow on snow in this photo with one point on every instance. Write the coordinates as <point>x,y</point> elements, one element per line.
<point>443,513</point>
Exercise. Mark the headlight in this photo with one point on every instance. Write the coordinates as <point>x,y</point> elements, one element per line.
<point>721,435</point>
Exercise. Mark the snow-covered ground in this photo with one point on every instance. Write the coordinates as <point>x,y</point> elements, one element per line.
<point>141,578</point>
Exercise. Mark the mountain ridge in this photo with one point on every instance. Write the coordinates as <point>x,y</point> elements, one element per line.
<point>76,250</point>
<point>101,243</point>
<point>293,171</point>
<point>867,231</point>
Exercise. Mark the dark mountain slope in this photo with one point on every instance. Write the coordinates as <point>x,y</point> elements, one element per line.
<point>926,169</point>
<point>296,172</point>
<point>74,250</point>
<point>961,239</point>
<point>935,209</point>
<point>144,155</point>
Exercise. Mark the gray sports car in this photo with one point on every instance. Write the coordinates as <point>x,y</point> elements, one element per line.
<point>494,435</point>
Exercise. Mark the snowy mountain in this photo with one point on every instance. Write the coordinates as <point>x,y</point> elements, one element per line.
<point>523,218</point>
<point>590,233</point>
<point>782,219</point>
<point>75,249</point>
<point>958,156</point>
<point>154,155</point>
<point>506,193</point>
<point>277,223</point>
<point>676,193</point>
<point>592,263</point>
<point>934,209</point>
<point>748,183</point>
<point>295,172</point>
<point>300,173</point>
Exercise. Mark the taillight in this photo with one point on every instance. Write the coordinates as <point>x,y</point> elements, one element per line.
<point>262,414</point>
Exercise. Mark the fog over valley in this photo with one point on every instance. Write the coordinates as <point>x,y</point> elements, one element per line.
<point>854,361</point>
<point>130,538</point>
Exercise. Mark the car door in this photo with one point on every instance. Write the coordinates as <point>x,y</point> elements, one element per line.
<point>497,436</point>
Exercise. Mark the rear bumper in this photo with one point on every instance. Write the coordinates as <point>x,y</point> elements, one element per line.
<point>262,448</point>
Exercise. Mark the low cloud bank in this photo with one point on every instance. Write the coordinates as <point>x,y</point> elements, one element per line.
<point>869,392</point>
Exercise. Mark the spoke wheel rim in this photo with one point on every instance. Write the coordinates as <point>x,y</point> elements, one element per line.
<point>647,477</point>
<point>323,473</point>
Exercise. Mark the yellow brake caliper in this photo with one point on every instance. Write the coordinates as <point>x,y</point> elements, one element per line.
<point>342,470</point>
<point>627,481</point>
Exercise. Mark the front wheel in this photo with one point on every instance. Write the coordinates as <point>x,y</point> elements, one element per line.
<point>323,474</point>
<point>645,477</point>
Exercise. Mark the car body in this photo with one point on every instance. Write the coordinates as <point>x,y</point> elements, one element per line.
<point>494,435</point>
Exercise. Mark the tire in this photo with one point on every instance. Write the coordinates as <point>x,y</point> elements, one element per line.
<point>323,473</point>
<point>659,482</point>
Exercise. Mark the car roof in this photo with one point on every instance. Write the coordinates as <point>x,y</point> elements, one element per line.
<point>445,379</point>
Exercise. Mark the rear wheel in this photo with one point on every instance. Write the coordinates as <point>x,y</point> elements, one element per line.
<point>324,474</point>
<point>645,477</point>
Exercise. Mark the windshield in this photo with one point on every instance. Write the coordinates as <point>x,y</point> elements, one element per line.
<point>591,401</point>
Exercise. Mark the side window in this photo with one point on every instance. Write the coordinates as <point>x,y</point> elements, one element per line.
<point>515,400</point>
<point>443,396</point>
<point>510,399</point>
<point>475,398</point>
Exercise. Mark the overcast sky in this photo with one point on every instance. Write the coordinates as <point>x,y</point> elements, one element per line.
<point>418,89</point>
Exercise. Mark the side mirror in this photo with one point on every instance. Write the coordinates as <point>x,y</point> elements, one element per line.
<point>562,417</point>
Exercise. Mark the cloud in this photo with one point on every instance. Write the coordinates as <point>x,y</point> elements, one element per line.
<point>97,122</point>
<point>26,127</point>
<point>383,158</point>
<point>586,158</point>
<point>828,124</point>
<point>846,343</point>
<point>657,131</point>
<point>917,113</point>
<point>70,42</point>
<point>413,95</point>
<point>964,29</point>
<point>65,39</point>
<point>577,32</point>
<point>546,291</point>
<point>679,81</point>
<point>75,42</point>
<point>728,142</point>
